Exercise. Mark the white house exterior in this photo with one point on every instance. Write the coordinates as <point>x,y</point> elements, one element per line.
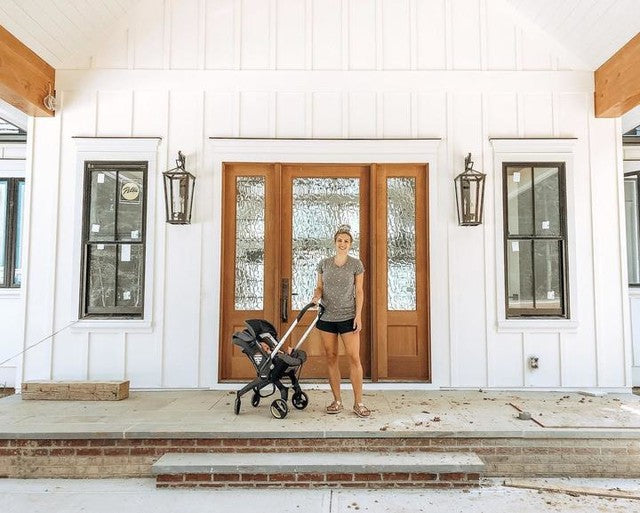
<point>310,81</point>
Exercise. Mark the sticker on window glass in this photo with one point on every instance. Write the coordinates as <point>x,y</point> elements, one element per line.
<point>100,247</point>
<point>125,253</point>
<point>516,176</point>
<point>135,234</point>
<point>100,177</point>
<point>95,228</point>
<point>551,294</point>
<point>515,245</point>
<point>545,225</point>
<point>126,294</point>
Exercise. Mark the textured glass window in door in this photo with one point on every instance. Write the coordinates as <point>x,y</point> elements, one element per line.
<point>320,205</point>
<point>250,227</point>
<point>401,243</point>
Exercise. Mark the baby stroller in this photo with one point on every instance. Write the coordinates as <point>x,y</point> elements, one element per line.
<point>271,366</point>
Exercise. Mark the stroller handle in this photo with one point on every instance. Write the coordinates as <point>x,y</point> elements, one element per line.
<point>307,307</point>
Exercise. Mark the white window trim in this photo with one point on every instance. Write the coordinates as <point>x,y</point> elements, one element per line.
<point>421,151</point>
<point>12,168</point>
<point>116,149</point>
<point>535,150</point>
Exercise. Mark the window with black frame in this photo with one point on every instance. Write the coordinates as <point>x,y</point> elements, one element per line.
<point>114,217</point>
<point>11,206</point>
<point>632,214</point>
<point>535,240</point>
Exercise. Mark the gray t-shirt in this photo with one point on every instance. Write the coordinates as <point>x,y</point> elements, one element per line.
<point>338,288</point>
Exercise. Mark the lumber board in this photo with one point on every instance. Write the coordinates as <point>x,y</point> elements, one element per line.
<point>571,490</point>
<point>75,390</point>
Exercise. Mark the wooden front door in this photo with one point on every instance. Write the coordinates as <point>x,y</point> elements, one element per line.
<point>278,223</point>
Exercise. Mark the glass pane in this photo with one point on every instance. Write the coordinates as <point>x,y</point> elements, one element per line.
<point>548,274</point>
<point>4,187</point>
<point>102,210</point>
<point>130,275</point>
<point>17,261</point>
<point>519,200</point>
<point>320,205</point>
<point>250,225</point>
<point>631,212</point>
<point>130,199</point>
<point>401,243</point>
<point>102,276</point>
<point>519,274</point>
<point>546,191</point>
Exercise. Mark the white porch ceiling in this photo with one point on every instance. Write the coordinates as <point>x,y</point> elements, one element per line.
<point>66,33</point>
<point>592,29</point>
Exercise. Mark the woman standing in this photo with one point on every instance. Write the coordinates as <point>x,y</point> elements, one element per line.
<point>340,286</point>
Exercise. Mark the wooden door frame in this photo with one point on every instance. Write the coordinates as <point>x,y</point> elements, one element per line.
<point>225,149</point>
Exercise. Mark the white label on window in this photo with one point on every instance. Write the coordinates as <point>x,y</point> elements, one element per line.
<point>516,176</point>
<point>126,294</point>
<point>95,228</point>
<point>125,253</point>
<point>100,177</point>
<point>545,225</point>
<point>135,234</point>
<point>515,245</point>
<point>100,246</point>
<point>551,294</point>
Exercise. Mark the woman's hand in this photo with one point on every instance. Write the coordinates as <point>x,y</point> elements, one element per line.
<point>357,324</point>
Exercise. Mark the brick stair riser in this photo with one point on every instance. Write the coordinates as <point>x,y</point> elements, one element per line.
<point>513,457</point>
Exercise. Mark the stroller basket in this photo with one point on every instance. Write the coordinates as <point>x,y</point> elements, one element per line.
<point>259,341</point>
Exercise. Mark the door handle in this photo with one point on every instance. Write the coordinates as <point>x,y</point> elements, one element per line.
<point>284,300</point>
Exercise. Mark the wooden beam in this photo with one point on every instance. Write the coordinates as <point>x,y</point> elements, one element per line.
<point>618,81</point>
<point>25,79</point>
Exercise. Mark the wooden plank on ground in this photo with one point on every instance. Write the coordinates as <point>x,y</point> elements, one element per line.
<point>25,78</point>
<point>75,390</point>
<point>571,490</point>
<point>617,82</point>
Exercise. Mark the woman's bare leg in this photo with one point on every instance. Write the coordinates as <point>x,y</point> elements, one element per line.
<point>330,342</point>
<point>352,347</point>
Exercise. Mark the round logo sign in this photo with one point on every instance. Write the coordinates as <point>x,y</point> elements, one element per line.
<point>130,191</point>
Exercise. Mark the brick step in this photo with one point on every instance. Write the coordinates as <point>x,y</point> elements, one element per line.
<point>321,469</point>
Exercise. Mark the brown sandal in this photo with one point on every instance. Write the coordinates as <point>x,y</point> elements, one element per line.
<point>361,410</point>
<point>335,407</point>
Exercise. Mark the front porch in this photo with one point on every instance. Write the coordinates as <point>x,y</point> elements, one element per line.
<point>569,434</point>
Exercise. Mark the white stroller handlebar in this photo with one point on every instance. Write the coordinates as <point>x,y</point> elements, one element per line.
<point>309,306</point>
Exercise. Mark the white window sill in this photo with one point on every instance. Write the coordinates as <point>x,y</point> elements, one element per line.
<point>533,325</point>
<point>10,293</point>
<point>114,325</point>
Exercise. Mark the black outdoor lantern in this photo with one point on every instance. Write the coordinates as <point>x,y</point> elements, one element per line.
<point>178,192</point>
<point>469,194</point>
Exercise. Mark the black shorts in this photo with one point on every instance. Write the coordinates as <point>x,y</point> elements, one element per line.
<point>335,327</point>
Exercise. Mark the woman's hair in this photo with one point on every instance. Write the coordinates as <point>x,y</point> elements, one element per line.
<point>343,229</point>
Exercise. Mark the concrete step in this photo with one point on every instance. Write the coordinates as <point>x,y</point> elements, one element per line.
<point>318,469</point>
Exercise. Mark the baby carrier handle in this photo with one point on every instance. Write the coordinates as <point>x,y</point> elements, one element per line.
<point>307,307</point>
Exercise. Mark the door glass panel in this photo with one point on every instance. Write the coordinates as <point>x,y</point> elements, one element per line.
<point>401,243</point>
<point>320,205</point>
<point>519,200</point>
<point>250,227</point>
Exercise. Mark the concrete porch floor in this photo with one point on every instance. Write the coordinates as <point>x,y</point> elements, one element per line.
<point>406,414</point>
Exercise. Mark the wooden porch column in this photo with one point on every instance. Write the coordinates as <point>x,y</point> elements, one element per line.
<point>25,78</point>
<point>618,81</point>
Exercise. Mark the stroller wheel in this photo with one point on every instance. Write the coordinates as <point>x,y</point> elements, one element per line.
<point>236,406</point>
<point>255,400</point>
<point>279,409</point>
<point>300,400</point>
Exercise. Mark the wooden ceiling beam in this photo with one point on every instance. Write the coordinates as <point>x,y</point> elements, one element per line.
<point>25,79</point>
<point>617,82</point>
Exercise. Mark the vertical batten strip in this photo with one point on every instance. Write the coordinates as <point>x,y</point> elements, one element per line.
<point>523,343</point>
<point>487,225</point>
<point>125,354</point>
<point>449,160</point>
<point>88,362</point>
<point>560,359</point>
<point>163,341</point>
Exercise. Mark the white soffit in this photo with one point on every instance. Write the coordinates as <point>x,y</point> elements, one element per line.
<point>593,30</point>
<point>64,33</point>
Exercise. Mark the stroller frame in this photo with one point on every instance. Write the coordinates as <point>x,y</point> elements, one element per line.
<point>272,366</point>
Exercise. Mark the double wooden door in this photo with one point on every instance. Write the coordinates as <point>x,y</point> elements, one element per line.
<point>278,223</point>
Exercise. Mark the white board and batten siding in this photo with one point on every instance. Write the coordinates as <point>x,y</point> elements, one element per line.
<point>462,71</point>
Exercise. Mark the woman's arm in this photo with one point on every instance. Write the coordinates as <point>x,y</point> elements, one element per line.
<point>317,293</point>
<point>359,301</point>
